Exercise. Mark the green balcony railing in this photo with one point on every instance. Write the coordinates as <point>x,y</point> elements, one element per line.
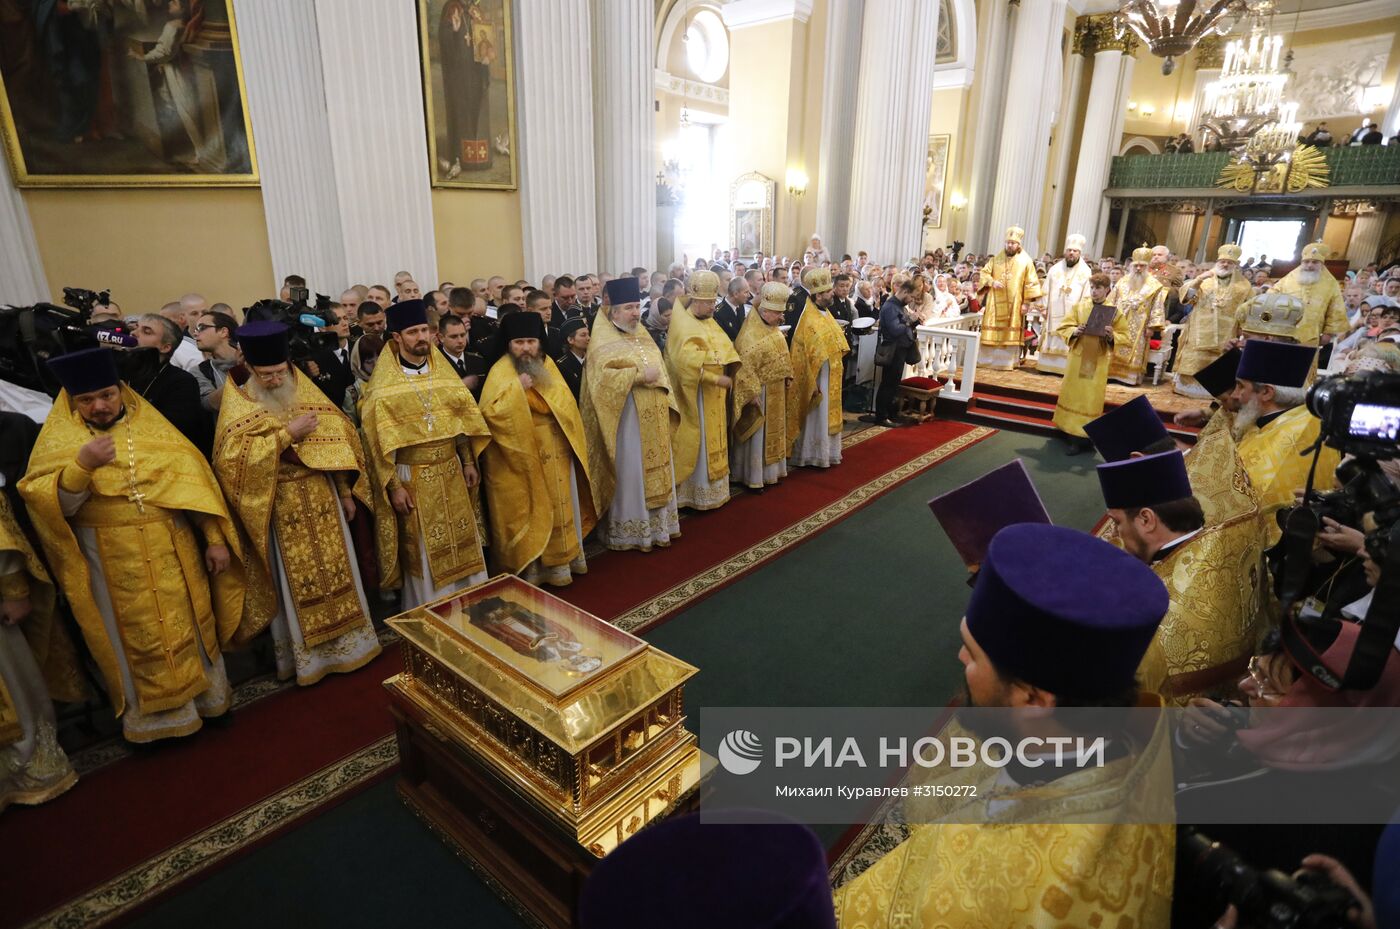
<point>1351,166</point>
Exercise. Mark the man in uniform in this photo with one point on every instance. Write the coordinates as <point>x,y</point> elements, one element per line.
<point>1143,300</point>
<point>1213,571</point>
<point>293,468</point>
<point>701,361</point>
<point>1324,310</point>
<point>1216,298</point>
<point>998,857</point>
<point>819,348</point>
<point>1066,284</point>
<point>423,435</point>
<point>537,480</point>
<point>121,502</point>
<point>628,412</point>
<point>760,444</point>
<point>1008,282</point>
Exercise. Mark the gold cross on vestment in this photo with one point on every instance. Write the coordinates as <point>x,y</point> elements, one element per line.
<point>138,498</point>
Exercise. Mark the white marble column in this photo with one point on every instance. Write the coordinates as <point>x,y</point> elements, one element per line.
<point>839,84</point>
<point>1365,239</point>
<point>22,279</point>
<point>554,112</point>
<point>624,134</point>
<point>1095,149</point>
<point>892,123</point>
<point>1067,133</point>
<point>371,71</point>
<point>1179,233</point>
<point>281,53</point>
<point>1390,124</point>
<point>1025,133</point>
<point>983,142</point>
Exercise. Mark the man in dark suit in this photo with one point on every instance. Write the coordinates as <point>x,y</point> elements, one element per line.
<point>576,336</point>
<point>896,330</point>
<point>564,308</point>
<point>454,343</point>
<point>538,302</point>
<point>171,390</point>
<point>729,312</point>
<point>841,307</point>
<point>797,302</point>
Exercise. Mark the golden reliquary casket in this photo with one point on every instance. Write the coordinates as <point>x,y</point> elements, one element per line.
<point>537,737</point>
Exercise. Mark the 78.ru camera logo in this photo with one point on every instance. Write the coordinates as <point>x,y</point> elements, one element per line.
<point>741,752</point>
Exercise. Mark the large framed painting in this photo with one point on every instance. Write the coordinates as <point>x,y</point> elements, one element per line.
<point>935,176</point>
<point>469,92</point>
<point>124,93</point>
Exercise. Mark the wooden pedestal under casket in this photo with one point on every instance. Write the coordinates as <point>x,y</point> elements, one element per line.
<point>536,736</point>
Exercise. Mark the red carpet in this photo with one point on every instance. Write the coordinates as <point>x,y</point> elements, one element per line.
<point>135,808</point>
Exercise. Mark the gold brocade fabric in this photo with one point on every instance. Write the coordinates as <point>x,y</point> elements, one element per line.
<point>1212,322</point>
<point>1324,311</point>
<point>439,519</point>
<point>816,341</point>
<point>766,363</point>
<point>616,362</point>
<point>697,353</point>
<point>1003,311</point>
<point>1145,306</point>
<point>160,591</point>
<point>265,492</point>
<point>1216,581</point>
<point>1086,372</point>
<point>398,412</point>
<point>1273,457</point>
<point>518,487</point>
<point>987,871</point>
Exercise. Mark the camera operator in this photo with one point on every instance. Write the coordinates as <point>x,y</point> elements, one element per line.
<point>171,390</point>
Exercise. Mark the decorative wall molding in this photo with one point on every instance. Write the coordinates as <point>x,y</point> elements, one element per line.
<point>1344,14</point>
<point>1139,141</point>
<point>955,69</point>
<point>952,78</point>
<point>691,90</point>
<point>741,13</point>
<point>1100,35</point>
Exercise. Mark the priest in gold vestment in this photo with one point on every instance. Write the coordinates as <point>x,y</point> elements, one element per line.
<point>1085,381</point>
<point>1082,844</point>
<point>37,665</point>
<point>537,481</point>
<point>1274,427</point>
<point>1324,312</point>
<point>1213,568</point>
<point>1141,298</point>
<point>117,496</point>
<point>628,413</point>
<point>423,435</point>
<point>1216,298</point>
<point>760,444</point>
<point>1008,282</point>
<point>819,349</point>
<point>292,468</point>
<point>702,362</point>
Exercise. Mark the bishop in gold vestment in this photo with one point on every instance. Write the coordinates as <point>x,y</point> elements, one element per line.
<point>1008,282</point>
<point>292,468</point>
<point>1086,374</point>
<point>1216,298</point>
<point>1143,300</point>
<point>37,665</point>
<point>702,362</point>
<point>760,444</point>
<point>423,434</point>
<point>819,348</point>
<point>1324,311</point>
<point>628,414</point>
<point>1066,283</point>
<point>117,496</point>
<point>537,479</point>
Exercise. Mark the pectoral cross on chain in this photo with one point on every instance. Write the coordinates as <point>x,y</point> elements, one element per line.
<point>137,497</point>
<point>429,419</point>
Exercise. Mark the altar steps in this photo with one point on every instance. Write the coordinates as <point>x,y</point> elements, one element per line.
<point>1026,410</point>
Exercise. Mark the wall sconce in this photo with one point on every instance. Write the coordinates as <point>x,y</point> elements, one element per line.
<point>957,201</point>
<point>1132,105</point>
<point>796,182</point>
<point>1147,110</point>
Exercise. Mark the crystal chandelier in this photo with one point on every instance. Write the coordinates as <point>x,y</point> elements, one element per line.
<point>1171,28</point>
<point>1245,108</point>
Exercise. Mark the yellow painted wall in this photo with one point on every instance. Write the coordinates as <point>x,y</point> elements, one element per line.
<point>478,234</point>
<point>949,108</point>
<point>149,246</point>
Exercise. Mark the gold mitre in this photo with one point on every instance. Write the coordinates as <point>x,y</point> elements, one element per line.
<point>1228,253</point>
<point>1274,314</point>
<point>1015,233</point>
<point>703,285</point>
<point>1315,251</point>
<point>774,297</point>
<point>817,281</point>
<point>1076,242</point>
<point>1143,254</point>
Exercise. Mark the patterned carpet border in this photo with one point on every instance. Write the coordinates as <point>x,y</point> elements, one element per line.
<point>648,614</point>
<point>201,851</point>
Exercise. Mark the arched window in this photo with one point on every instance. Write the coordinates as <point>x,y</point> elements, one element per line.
<point>706,47</point>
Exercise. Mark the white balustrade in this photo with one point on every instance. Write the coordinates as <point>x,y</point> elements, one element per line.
<point>948,350</point>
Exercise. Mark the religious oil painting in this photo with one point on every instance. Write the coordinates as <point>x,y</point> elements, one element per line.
<point>547,642</point>
<point>935,175</point>
<point>123,93</point>
<point>469,92</point>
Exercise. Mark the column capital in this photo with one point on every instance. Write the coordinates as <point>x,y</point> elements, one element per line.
<point>738,14</point>
<point>1100,34</point>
